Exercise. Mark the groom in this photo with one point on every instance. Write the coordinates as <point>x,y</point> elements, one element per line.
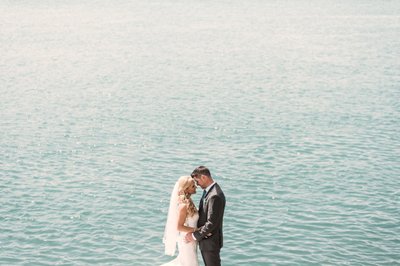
<point>211,213</point>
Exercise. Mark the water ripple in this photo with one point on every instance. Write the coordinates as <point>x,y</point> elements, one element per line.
<point>293,105</point>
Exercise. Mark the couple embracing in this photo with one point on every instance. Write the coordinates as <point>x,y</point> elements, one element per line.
<point>188,226</point>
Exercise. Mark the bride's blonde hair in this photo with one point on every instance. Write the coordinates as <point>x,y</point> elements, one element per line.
<point>185,182</point>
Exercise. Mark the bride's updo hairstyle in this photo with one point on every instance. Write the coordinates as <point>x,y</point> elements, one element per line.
<point>184,183</point>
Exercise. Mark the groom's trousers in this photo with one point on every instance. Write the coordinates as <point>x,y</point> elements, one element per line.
<point>211,258</point>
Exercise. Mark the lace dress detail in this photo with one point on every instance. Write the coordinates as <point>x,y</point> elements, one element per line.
<point>187,251</point>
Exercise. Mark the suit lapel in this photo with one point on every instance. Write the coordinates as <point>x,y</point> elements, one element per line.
<point>203,201</point>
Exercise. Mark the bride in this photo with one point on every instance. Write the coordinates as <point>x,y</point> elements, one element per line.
<point>182,218</point>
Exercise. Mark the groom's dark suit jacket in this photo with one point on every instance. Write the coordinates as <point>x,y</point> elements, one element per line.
<point>210,220</point>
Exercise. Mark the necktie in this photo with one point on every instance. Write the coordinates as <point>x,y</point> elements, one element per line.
<point>204,194</point>
<point>202,199</point>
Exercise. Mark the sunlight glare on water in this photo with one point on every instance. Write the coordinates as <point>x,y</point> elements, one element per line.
<point>293,105</point>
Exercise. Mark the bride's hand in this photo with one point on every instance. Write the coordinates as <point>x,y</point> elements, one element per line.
<point>189,237</point>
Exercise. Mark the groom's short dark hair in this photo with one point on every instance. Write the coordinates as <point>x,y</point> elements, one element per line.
<point>201,170</point>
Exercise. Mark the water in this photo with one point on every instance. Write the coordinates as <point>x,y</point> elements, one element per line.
<point>293,105</point>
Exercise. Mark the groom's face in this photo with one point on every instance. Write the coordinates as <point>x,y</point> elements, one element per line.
<point>199,179</point>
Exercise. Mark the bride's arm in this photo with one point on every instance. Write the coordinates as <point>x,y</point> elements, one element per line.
<point>182,213</point>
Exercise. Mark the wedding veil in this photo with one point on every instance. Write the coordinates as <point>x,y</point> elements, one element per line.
<point>171,231</point>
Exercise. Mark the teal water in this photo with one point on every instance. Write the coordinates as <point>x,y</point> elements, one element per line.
<point>293,105</point>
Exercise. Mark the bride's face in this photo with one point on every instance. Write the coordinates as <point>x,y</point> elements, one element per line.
<point>191,189</point>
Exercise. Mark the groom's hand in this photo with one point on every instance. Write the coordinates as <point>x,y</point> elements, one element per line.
<point>189,237</point>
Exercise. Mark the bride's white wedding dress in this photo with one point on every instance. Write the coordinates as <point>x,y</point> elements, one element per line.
<point>187,252</point>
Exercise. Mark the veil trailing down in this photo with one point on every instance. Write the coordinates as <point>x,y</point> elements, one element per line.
<point>175,229</point>
<point>171,232</point>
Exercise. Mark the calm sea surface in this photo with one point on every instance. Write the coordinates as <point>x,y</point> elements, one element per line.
<point>293,105</point>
